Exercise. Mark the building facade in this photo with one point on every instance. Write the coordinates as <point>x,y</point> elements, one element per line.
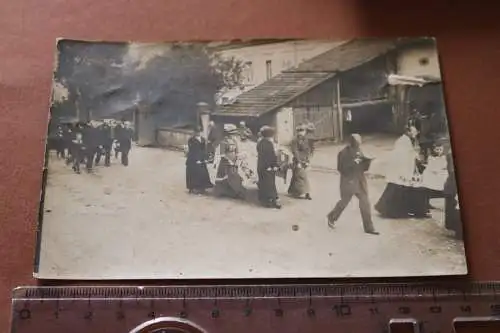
<point>376,83</point>
<point>262,62</point>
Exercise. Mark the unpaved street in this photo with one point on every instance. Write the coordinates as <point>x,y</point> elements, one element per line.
<point>140,222</point>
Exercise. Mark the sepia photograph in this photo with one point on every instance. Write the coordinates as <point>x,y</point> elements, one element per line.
<point>270,158</point>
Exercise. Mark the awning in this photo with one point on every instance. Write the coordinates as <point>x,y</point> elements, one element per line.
<point>396,80</point>
<point>356,104</point>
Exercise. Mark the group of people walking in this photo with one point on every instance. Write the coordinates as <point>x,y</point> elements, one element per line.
<point>233,165</point>
<point>89,143</point>
<point>409,187</point>
<point>410,176</point>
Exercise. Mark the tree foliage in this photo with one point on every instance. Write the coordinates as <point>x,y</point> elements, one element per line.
<point>104,80</point>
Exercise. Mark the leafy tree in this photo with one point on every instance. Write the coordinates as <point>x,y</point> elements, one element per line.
<point>101,80</point>
<point>87,71</point>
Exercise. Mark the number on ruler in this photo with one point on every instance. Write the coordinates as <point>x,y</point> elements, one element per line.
<point>120,315</point>
<point>374,311</point>
<point>152,315</point>
<point>342,310</point>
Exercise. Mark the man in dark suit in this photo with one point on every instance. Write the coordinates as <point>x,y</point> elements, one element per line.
<point>352,165</point>
<point>125,136</point>
<point>105,143</point>
<point>91,144</point>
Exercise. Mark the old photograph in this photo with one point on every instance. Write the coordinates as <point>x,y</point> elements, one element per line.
<point>271,158</point>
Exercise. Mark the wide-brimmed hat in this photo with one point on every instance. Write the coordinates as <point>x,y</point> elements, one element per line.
<point>310,127</point>
<point>230,128</point>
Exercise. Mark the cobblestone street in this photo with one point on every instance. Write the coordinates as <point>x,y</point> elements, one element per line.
<point>140,222</point>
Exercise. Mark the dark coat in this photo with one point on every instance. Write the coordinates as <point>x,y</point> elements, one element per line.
<point>197,150</point>
<point>91,137</point>
<point>197,176</point>
<point>352,174</point>
<point>105,138</point>
<point>450,185</point>
<point>124,137</point>
<point>266,156</point>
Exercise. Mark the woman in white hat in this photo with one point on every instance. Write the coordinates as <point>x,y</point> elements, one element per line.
<point>228,182</point>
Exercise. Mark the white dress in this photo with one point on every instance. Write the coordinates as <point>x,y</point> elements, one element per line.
<point>435,174</point>
<point>402,163</point>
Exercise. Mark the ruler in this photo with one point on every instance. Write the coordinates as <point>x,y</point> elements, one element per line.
<point>346,308</point>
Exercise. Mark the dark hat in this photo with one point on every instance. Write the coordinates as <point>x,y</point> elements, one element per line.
<point>267,131</point>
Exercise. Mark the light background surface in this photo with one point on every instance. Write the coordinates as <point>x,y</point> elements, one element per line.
<point>467,39</point>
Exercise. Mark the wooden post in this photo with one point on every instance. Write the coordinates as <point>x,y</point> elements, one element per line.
<point>335,113</point>
<point>340,113</point>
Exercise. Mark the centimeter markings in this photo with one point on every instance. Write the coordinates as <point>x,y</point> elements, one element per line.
<point>429,300</point>
<point>346,292</point>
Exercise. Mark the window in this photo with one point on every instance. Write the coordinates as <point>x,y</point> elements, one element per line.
<point>269,69</point>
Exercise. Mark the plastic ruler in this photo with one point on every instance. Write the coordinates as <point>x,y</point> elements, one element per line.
<point>346,308</point>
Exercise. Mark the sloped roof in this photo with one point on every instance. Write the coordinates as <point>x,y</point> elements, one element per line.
<point>273,93</point>
<point>289,84</point>
<point>348,55</point>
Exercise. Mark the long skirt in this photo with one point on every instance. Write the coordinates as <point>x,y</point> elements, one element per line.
<point>229,183</point>
<point>267,186</point>
<point>299,184</point>
<point>398,201</point>
<point>452,219</point>
<point>197,177</point>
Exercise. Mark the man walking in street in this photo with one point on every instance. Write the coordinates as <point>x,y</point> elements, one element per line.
<point>91,144</point>
<point>352,165</point>
<point>125,140</point>
<point>105,143</point>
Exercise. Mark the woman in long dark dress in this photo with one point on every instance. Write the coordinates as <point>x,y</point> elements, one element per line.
<point>404,196</point>
<point>267,166</point>
<point>197,177</point>
<point>452,220</point>
<point>301,150</point>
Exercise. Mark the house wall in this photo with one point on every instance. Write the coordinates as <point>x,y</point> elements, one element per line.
<point>285,125</point>
<point>282,56</point>
<point>145,129</point>
<point>321,95</point>
<point>420,60</point>
<point>366,82</point>
<point>173,138</point>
